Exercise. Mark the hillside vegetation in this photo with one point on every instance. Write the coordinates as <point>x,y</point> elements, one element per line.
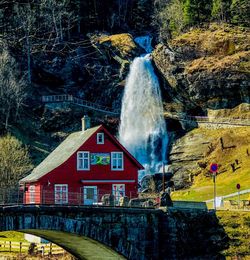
<point>217,48</point>
<point>211,73</point>
<point>236,225</point>
<point>235,150</point>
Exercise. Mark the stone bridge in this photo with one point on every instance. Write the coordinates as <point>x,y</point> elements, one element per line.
<point>123,232</point>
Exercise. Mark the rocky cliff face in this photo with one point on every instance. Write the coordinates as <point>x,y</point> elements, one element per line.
<point>205,72</point>
<point>94,70</point>
<point>206,68</point>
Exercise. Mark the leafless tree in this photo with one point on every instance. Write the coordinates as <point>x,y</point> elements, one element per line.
<point>169,17</point>
<point>25,22</point>
<point>12,88</point>
<point>57,18</point>
<point>36,26</point>
<point>14,164</point>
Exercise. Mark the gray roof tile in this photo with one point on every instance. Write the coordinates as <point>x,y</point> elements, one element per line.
<point>62,153</point>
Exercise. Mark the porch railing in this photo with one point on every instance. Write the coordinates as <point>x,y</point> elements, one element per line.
<point>100,198</point>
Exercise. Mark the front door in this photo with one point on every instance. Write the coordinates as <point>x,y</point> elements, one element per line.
<point>89,195</point>
<point>118,191</point>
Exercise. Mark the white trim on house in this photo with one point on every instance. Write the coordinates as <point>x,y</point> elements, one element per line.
<point>117,162</point>
<point>82,157</point>
<point>86,199</point>
<point>60,200</point>
<point>100,138</point>
<point>107,181</point>
<point>118,190</point>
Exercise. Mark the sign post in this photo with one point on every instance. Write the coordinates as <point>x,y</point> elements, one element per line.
<point>214,170</point>
<point>238,188</point>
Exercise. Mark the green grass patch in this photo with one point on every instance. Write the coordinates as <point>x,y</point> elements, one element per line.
<point>236,142</point>
<point>236,225</point>
<point>12,236</point>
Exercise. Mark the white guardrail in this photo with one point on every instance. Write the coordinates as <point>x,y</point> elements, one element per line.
<point>231,195</point>
<point>79,102</point>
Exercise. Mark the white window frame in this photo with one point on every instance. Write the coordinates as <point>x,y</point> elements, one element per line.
<point>67,193</point>
<point>32,194</point>
<point>100,138</point>
<point>83,153</point>
<point>114,158</point>
<point>117,192</point>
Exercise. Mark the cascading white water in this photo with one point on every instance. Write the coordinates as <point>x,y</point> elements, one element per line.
<point>142,129</point>
<point>144,42</point>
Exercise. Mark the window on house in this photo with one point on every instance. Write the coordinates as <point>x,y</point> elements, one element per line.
<point>32,192</point>
<point>83,161</point>
<point>100,138</point>
<point>117,161</point>
<point>61,193</point>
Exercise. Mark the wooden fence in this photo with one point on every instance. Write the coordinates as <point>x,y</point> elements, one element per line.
<point>24,247</point>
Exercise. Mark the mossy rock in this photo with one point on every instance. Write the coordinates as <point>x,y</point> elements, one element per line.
<point>215,40</point>
<point>123,43</point>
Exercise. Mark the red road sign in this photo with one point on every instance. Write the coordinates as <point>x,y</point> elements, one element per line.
<point>237,186</point>
<point>214,167</point>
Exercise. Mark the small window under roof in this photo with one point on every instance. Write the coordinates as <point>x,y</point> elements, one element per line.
<point>100,138</point>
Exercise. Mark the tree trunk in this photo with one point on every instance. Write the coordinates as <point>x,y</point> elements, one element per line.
<point>55,25</point>
<point>7,118</point>
<point>28,57</point>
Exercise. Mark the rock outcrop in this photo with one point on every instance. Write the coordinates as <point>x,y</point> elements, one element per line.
<point>206,68</point>
<point>94,70</point>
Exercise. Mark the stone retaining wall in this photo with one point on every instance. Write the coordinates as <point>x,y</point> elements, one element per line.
<point>135,233</point>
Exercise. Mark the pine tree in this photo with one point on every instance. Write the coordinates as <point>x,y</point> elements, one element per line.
<point>197,11</point>
<point>240,12</point>
<point>221,10</point>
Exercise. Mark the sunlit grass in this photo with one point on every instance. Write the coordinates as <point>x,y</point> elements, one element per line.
<point>12,236</point>
<point>236,142</point>
<point>237,227</point>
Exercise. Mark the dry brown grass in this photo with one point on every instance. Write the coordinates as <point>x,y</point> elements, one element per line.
<point>220,39</point>
<point>218,63</point>
<point>217,48</point>
<point>236,142</point>
<point>241,111</point>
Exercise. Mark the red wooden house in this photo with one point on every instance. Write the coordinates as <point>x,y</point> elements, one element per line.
<point>84,167</point>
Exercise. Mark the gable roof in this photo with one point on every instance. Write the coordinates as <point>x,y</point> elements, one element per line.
<point>132,158</point>
<point>67,148</point>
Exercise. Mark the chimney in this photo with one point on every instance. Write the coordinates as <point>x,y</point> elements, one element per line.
<point>85,123</point>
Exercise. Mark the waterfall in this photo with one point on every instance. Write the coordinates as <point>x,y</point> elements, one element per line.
<point>142,129</point>
<point>144,42</point>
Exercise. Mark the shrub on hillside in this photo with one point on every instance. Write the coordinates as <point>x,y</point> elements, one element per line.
<point>15,162</point>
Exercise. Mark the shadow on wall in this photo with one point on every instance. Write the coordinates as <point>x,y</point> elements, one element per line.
<point>192,234</point>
